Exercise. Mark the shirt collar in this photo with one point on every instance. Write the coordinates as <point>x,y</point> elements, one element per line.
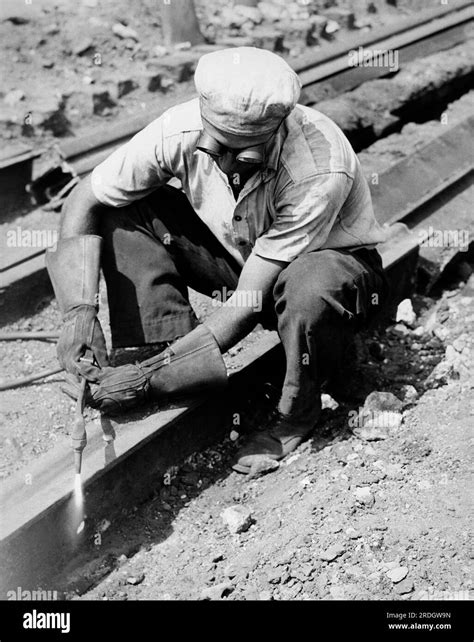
<point>272,153</point>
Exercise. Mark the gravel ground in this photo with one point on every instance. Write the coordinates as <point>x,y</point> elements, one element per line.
<point>360,511</point>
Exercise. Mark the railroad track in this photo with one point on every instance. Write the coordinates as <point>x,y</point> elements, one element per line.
<point>38,533</point>
<point>23,278</point>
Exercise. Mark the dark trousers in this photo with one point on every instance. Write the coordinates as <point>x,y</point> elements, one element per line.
<point>156,247</point>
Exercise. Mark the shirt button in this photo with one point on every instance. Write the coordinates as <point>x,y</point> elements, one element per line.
<point>237,218</point>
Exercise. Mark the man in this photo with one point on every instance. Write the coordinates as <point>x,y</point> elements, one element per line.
<point>273,203</point>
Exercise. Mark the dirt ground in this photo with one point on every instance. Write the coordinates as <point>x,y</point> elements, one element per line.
<point>65,69</point>
<point>357,512</point>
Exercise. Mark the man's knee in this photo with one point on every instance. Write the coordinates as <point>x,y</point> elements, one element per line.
<point>310,286</point>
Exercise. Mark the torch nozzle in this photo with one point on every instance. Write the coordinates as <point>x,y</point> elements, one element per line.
<point>79,435</point>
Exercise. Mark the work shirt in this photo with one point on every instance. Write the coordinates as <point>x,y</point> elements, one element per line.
<point>309,194</point>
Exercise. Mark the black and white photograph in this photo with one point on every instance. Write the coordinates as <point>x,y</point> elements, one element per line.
<point>236,320</point>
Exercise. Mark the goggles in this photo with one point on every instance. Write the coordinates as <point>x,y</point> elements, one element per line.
<point>253,155</point>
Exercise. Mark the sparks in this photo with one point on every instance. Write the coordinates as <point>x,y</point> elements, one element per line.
<point>78,494</point>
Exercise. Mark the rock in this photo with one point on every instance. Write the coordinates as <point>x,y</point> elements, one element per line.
<point>218,557</point>
<point>400,329</point>
<point>102,102</point>
<point>337,592</point>
<point>268,38</point>
<point>125,87</point>
<point>237,518</point>
<point>379,401</point>
<point>217,592</point>
<point>327,402</point>
<point>450,354</point>
<point>352,533</point>
<point>262,466</point>
<point>14,97</point>
<point>154,82</point>
<point>48,113</point>
<point>82,46</point>
<point>47,63</point>
<point>383,420</point>
<point>331,27</point>
<point>249,13</point>
<point>318,25</point>
<point>124,32</point>
<point>332,553</point>
<point>231,19</point>
<point>136,579</point>
<point>377,350</point>
<point>441,332</point>
<point>179,66</point>
<point>404,587</point>
<point>409,394</point>
<point>406,314</point>
<point>420,331</point>
<point>364,496</point>
<point>290,592</point>
<point>270,11</point>
<point>182,46</point>
<point>103,525</point>
<point>284,559</point>
<point>274,575</point>
<point>461,342</point>
<point>363,23</point>
<point>265,595</point>
<point>343,17</point>
<point>160,51</point>
<point>371,433</point>
<point>397,574</point>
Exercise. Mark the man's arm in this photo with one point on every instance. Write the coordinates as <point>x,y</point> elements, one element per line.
<point>238,316</point>
<point>80,211</point>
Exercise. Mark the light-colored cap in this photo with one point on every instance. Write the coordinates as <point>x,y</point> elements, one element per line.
<point>245,92</point>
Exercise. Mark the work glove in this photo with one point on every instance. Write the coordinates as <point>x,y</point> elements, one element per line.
<point>111,390</point>
<point>190,365</point>
<point>74,268</point>
<point>81,332</point>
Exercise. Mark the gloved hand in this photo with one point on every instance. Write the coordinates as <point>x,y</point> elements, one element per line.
<point>114,391</point>
<point>81,331</point>
<point>74,267</point>
<point>192,364</point>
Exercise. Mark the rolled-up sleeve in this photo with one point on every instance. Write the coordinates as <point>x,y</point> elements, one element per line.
<point>305,214</point>
<point>134,169</point>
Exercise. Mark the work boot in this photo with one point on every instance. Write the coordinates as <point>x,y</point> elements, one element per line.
<point>275,441</point>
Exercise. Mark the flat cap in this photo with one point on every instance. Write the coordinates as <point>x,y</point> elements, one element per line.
<point>245,91</point>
